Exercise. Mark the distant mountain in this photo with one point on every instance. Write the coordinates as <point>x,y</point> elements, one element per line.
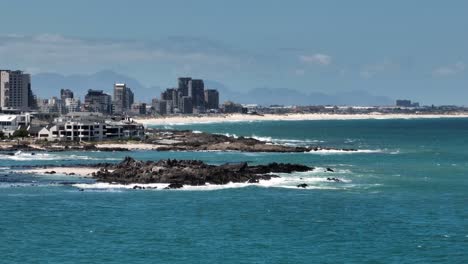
<point>286,96</point>
<point>46,85</point>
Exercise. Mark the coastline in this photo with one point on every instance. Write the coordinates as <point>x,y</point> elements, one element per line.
<point>180,120</point>
<point>73,171</point>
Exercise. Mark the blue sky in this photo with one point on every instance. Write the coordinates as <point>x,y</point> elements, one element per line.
<point>411,49</point>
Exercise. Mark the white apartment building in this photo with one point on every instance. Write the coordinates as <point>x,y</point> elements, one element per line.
<point>90,127</point>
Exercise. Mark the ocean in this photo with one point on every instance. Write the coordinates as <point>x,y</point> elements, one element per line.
<point>403,199</point>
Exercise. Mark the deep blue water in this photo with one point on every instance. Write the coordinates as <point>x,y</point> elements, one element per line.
<point>404,200</point>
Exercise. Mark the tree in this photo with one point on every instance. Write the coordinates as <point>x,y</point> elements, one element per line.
<point>2,135</point>
<point>21,133</point>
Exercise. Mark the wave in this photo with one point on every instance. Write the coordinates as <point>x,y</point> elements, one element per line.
<point>340,151</point>
<point>27,156</point>
<point>283,141</point>
<point>228,135</point>
<point>287,141</point>
<point>313,179</point>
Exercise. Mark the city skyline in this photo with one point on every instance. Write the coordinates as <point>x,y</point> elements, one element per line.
<point>395,49</point>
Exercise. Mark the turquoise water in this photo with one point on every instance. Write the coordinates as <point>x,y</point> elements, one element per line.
<point>404,200</point>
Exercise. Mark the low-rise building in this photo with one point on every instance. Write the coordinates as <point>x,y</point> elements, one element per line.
<point>10,123</point>
<point>90,127</point>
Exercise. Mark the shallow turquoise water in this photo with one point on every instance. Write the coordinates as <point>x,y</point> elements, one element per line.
<point>404,201</point>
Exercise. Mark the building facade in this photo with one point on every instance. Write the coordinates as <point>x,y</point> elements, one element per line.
<point>65,94</point>
<point>211,99</point>
<point>10,123</point>
<point>15,90</point>
<point>72,105</point>
<point>197,92</point>
<point>123,98</point>
<point>90,127</point>
<point>98,101</point>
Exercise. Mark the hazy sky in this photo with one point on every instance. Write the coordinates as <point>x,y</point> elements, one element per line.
<point>412,49</point>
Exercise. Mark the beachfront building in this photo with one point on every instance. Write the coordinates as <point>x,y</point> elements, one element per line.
<point>10,123</point>
<point>90,127</point>
<point>15,90</point>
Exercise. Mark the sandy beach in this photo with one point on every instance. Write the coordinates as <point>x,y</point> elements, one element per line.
<point>78,171</point>
<point>129,146</point>
<point>174,120</point>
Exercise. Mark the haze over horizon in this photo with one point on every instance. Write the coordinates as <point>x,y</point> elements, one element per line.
<point>385,51</point>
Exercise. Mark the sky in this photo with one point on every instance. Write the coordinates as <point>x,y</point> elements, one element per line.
<point>401,49</point>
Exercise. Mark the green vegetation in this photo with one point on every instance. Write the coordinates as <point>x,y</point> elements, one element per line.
<point>20,133</point>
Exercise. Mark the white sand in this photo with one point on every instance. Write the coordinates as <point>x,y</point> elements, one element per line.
<point>129,146</point>
<point>172,120</point>
<point>79,171</point>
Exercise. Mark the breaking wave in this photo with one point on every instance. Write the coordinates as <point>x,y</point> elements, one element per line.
<point>282,141</point>
<point>26,156</point>
<point>315,180</point>
<point>340,151</point>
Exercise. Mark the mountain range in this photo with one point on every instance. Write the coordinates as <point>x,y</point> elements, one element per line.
<point>46,85</point>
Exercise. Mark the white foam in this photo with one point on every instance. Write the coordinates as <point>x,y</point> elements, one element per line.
<point>26,156</point>
<point>286,140</point>
<point>229,135</point>
<point>285,180</point>
<point>340,151</point>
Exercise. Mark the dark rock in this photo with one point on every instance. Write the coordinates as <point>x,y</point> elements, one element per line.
<point>174,186</point>
<point>330,170</point>
<point>302,185</point>
<point>190,172</point>
<point>334,179</point>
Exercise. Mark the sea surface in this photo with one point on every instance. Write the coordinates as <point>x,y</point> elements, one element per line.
<point>403,199</point>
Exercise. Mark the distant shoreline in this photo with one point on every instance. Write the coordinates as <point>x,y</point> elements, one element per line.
<point>180,120</point>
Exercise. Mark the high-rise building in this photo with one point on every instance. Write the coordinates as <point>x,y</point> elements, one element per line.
<point>184,85</point>
<point>403,103</point>
<point>197,92</point>
<point>123,98</point>
<point>211,99</point>
<point>139,108</point>
<point>15,90</point>
<point>65,94</point>
<point>186,105</point>
<point>130,98</point>
<point>160,106</point>
<point>72,105</point>
<point>98,101</point>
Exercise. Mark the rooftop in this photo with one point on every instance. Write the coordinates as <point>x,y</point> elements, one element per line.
<point>7,118</point>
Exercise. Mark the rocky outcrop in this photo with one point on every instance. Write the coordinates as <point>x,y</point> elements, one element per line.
<point>190,172</point>
<point>187,140</point>
<point>169,140</point>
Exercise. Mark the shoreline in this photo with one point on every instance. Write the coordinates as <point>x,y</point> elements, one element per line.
<point>61,171</point>
<point>228,118</point>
